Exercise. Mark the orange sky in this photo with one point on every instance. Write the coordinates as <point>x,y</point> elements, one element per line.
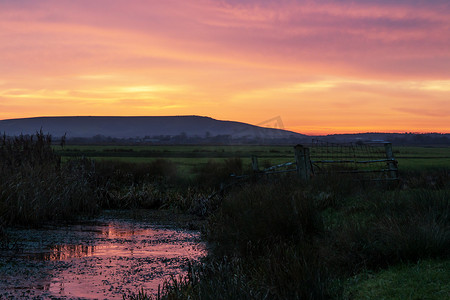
<point>322,66</point>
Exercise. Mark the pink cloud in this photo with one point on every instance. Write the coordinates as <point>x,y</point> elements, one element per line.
<point>363,36</point>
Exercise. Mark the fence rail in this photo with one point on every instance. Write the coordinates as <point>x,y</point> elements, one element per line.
<point>352,161</point>
<point>279,166</point>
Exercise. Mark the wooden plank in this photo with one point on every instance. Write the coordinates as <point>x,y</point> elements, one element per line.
<point>303,162</point>
<point>392,163</point>
<point>255,165</point>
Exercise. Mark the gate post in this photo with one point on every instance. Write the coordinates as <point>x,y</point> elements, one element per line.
<point>303,162</point>
<point>392,163</point>
<point>255,165</point>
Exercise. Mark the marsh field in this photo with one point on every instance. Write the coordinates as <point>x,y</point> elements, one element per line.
<point>268,237</point>
<point>188,157</point>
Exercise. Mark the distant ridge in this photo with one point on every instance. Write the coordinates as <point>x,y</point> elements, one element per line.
<point>191,130</point>
<point>134,127</point>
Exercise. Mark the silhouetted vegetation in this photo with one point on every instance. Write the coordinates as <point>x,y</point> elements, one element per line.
<point>287,240</point>
<point>213,173</point>
<point>271,237</point>
<point>35,187</point>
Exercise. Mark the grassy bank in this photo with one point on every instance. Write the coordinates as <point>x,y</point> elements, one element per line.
<point>426,279</point>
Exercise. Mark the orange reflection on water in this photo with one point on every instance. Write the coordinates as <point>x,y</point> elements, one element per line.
<point>124,259</point>
<point>114,231</point>
<point>100,259</point>
<point>62,252</point>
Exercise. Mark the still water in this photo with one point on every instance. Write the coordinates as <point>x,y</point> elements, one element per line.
<point>100,259</point>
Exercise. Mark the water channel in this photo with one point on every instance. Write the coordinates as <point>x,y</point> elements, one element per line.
<point>105,258</point>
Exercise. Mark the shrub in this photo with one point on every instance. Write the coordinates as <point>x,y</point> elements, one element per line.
<point>263,239</point>
<point>395,227</point>
<point>118,173</point>
<point>263,213</point>
<point>431,179</point>
<point>284,272</point>
<point>213,173</point>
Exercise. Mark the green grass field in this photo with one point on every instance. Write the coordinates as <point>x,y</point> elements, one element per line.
<point>187,157</point>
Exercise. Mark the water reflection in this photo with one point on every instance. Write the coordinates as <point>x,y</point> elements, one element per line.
<point>114,231</point>
<point>61,252</point>
<point>103,260</point>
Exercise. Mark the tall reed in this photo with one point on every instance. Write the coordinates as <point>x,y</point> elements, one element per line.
<point>35,187</point>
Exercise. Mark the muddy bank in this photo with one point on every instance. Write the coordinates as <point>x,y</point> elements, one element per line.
<point>115,254</point>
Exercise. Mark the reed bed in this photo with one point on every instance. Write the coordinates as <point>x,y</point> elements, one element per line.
<point>34,187</point>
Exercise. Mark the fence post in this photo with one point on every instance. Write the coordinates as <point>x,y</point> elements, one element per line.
<point>303,162</point>
<point>392,163</point>
<point>255,165</point>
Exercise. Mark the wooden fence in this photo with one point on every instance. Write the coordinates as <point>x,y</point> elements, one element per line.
<point>374,160</point>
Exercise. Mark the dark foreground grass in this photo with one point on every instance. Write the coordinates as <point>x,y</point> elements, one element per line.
<point>286,240</point>
<point>261,214</point>
<point>265,233</point>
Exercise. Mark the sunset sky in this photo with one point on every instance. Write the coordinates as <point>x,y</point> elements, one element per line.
<point>322,66</point>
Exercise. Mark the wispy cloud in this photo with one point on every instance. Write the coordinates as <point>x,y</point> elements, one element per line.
<point>426,112</point>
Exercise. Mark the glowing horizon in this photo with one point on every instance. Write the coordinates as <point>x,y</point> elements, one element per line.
<point>324,67</point>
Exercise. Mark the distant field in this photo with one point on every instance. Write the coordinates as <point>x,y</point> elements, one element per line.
<point>420,158</point>
<point>186,157</point>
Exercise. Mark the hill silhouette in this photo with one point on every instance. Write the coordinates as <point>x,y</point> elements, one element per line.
<point>133,127</point>
<point>191,130</point>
